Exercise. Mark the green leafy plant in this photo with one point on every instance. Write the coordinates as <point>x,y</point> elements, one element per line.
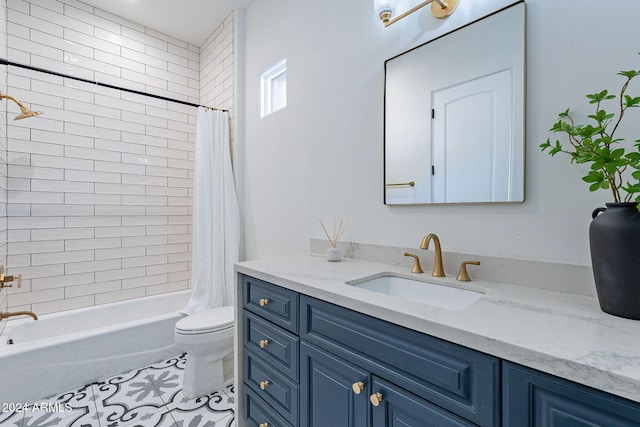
<point>613,167</point>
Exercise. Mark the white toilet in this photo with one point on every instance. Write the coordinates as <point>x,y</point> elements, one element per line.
<point>207,338</point>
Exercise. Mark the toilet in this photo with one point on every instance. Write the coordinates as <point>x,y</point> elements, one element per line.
<point>207,338</point>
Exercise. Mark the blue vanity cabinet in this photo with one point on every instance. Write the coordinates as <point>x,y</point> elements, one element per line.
<point>258,413</point>
<point>536,399</point>
<point>395,407</point>
<point>270,354</point>
<point>274,303</point>
<point>425,376</point>
<point>337,391</point>
<point>310,363</point>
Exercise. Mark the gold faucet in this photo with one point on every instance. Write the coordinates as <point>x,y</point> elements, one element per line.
<point>463,275</point>
<point>4,278</point>
<point>438,269</point>
<point>6,314</point>
<point>417,268</point>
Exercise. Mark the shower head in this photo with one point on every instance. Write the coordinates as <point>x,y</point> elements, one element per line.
<point>26,114</point>
<point>24,111</point>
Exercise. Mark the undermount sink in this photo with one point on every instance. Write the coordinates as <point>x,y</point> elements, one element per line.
<point>447,296</point>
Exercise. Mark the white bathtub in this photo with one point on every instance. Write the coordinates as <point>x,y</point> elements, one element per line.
<point>64,350</point>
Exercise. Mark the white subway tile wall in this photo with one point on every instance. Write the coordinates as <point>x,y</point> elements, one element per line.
<point>3,156</point>
<point>96,194</point>
<point>217,74</point>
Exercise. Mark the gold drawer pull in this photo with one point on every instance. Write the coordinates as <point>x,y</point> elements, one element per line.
<point>376,399</point>
<point>357,387</point>
<point>264,301</point>
<point>264,385</point>
<point>264,343</point>
<point>264,425</point>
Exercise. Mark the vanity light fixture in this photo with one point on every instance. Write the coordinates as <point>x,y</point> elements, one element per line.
<point>25,112</point>
<point>439,9</point>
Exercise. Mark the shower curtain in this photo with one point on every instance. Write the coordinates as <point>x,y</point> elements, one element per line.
<point>216,217</point>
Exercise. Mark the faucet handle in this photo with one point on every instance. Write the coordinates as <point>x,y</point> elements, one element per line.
<point>4,279</point>
<point>417,268</point>
<point>463,276</point>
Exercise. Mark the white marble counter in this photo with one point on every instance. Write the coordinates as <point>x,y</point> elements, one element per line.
<point>559,333</point>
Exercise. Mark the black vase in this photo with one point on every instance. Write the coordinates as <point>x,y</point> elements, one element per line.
<point>614,237</point>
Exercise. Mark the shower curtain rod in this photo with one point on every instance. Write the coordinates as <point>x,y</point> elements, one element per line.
<point>137,92</point>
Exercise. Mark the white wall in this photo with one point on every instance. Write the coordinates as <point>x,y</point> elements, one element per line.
<point>321,157</point>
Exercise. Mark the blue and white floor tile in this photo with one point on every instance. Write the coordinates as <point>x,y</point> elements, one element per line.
<point>145,397</point>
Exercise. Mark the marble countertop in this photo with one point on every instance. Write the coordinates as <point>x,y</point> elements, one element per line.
<point>559,333</point>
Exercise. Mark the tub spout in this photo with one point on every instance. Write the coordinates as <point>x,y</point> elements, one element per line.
<point>6,314</point>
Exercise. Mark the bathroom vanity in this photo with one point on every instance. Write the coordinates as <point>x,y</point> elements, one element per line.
<point>312,349</point>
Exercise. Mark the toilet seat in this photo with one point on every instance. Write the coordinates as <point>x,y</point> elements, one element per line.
<point>206,321</point>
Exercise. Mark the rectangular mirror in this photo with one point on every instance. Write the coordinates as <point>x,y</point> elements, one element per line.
<point>454,116</point>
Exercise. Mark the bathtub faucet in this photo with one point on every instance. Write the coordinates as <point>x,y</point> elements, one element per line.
<point>6,314</point>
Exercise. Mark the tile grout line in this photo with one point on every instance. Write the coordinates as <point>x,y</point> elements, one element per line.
<point>166,404</point>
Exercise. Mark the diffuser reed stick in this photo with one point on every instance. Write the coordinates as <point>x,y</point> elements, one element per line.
<point>337,232</point>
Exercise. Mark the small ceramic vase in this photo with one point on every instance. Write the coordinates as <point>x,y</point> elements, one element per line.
<point>334,254</point>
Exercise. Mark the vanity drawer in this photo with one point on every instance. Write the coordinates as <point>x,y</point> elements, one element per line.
<point>271,343</point>
<point>257,412</point>
<point>277,390</point>
<point>453,377</point>
<point>272,302</point>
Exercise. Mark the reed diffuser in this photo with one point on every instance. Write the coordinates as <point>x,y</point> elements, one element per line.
<point>333,253</point>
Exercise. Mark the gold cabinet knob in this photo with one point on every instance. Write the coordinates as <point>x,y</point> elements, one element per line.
<point>357,387</point>
<point>264,385</point>
<point>264,343</point>
<point>264,301</point>
<point>376,399</point>
<point>264,425</point>
<point>463,276</point>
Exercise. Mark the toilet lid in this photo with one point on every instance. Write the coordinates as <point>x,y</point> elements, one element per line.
<point>211,320</point>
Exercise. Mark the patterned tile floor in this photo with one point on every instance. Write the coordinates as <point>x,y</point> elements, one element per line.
<point>145,397</point>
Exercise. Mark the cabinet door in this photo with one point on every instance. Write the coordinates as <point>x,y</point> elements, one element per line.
<point>463,381</point>
<point>331,399</point>
<point>396,407</point>
<point>535,399</point>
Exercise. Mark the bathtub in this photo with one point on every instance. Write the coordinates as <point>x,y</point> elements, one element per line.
<point>69,349</point>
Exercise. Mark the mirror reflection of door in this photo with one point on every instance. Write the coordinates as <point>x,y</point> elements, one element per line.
<point>472,124</point>
<point>476,76</point>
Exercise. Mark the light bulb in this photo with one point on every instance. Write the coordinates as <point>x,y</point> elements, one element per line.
<point>384,6</point>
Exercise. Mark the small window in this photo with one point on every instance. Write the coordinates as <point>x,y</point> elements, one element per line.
<point>273,88</point>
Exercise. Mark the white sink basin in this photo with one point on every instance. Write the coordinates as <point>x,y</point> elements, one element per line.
<point>447,296</point>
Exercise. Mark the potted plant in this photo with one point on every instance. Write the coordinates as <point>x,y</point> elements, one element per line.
<point>614,233</point>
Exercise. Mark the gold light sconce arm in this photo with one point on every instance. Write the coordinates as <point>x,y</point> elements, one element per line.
<point>439,9</point>
<point>25,112</point>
